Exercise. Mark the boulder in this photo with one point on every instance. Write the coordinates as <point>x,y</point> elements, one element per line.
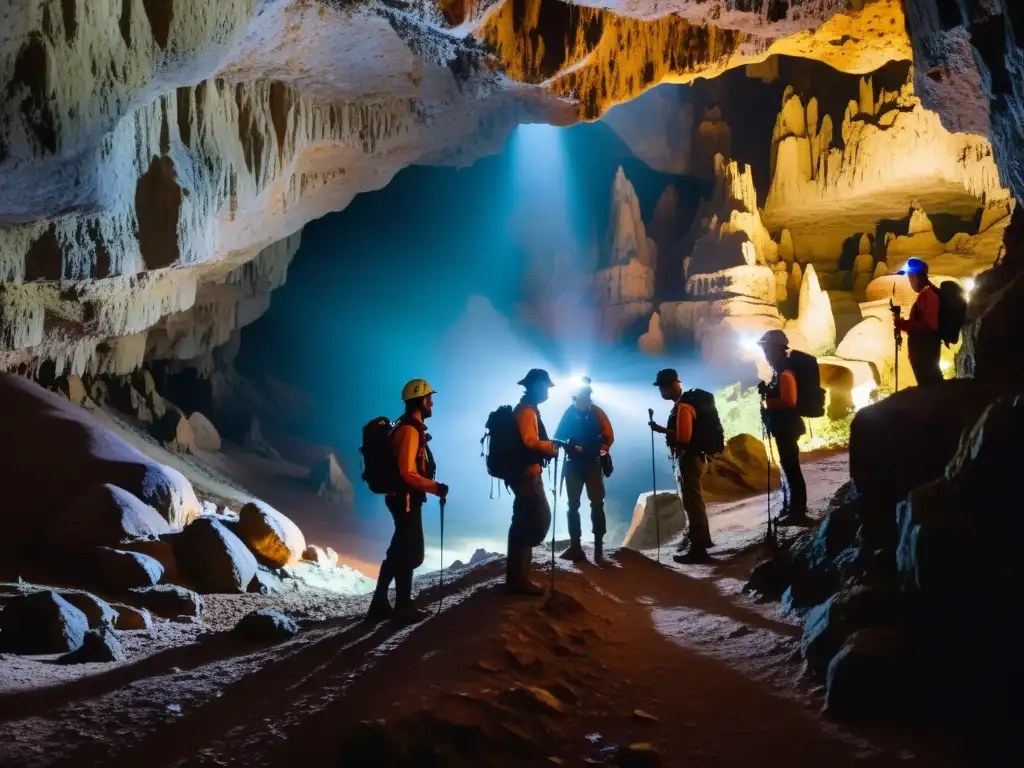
<point>256,442</point>
<point>869,677</point>
<point>828,625</point>
<point>105,515</point>
<point>98,612</point>
<point>330,483</point>
<point>265,583</point>
<point>120,570</point>
<point>318,556</point>
<point>265,626</point>
<point>130,619</point>
<point>99,393</point>
<point>644,527</point>
<point>99,646</point>
<point>169,601</point>
<point>41,623</point>
<point>63,452</point>
<point>820,560</point>
<point>206,436</point>
<point>174,431</point>
<point>213,558</point>
<point>161,550</point>
<point>743,466</point>
<point>274,539</point>
<point>907,439</point>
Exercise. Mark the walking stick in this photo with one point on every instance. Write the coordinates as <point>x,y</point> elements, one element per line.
<point>440,577</point>
<point>554,521</point>
<point>897,339</point>
<point>654,488</point>
<point>769,535</point>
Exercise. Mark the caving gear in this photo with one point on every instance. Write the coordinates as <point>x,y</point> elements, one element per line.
<point>506,456</point>
<point>952,311</point>
<point>810,397</point>
<point>775,338</point>
<point>666,377</point>
<point>380,466</point>
<point>415,389</point>
<point>574,553</point>
<point>913,266</point>
<point>924,338</point>
<point>535,375</point>
<point>654,475</point>
<point>708,436</point>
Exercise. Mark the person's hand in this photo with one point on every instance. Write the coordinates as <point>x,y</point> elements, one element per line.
<point>656,427</point>
<point>442,491</point>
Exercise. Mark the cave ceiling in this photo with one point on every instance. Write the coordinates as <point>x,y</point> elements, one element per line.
<point>148,149</point>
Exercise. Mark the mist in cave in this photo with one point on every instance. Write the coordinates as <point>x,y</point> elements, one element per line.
<point>426,278</point>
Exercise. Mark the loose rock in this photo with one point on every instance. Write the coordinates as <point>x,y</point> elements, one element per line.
<point>869,676</point>
<point>169,601</point>
<point>104,516</point>
<point>213,558</point>
<point>41,623</point>
<point>99,612</point>
<point>274,539</point>
<point>207,438</point>
<point>118,569</point>
<point>265,626</point>
<point>317,556</point>
<point>129,618</point>
<point>100,646</point>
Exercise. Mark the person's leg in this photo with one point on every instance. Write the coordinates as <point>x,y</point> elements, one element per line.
<point>574,481</point>
<point>692,471</point>
<point>789,462</point>
<point>531,518</point>
<point>380,608</point>
<point>596,495</point>
<point>410,558</point>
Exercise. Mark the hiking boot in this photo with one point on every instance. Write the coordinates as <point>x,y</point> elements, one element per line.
<point>380,610</point>
<point>794,518</point>
<point>408,614</point>
<point>693,557</point>
<point>574,553</point>
<point>527,588</point>
<point>599,552</point>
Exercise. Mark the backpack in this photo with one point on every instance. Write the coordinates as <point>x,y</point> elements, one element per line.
<point>503,452</point>
<point>810,397</point>
<point>380,467</point>
<point>708,436</point>
<point>952,310</point>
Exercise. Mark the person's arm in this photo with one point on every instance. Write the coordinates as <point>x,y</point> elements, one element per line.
<point>529,432</point>
<point>787,393</point>
<point>683,433</point>
<point>563,431</point>
<point>928,314</point>
<point>605,425</point>
<point>407,441</point>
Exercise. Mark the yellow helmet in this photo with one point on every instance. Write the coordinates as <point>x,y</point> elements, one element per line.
<point>416,388</point>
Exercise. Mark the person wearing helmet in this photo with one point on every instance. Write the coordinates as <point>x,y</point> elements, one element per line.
<point>416,469</point>
<point>784,424</point>
<point>678,434</point>
<point>589,434</point>
<point>531,514</point>
<point>924,344</point>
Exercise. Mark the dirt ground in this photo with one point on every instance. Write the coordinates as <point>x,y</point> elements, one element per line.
<point>673,657</point>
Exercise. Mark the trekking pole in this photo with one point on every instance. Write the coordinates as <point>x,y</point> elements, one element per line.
<point>554,521</point>
<point>654,488</point>
<point>440,577</point>
<point>897,340</point>
<point>769,537</point>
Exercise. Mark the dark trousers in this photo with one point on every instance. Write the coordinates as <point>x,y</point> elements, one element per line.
<point>580,475</point>
<point>924,353</point>
<point>406,551</point>
<point>789,461</point>
<point>531,519</point>
<point>691,474</point>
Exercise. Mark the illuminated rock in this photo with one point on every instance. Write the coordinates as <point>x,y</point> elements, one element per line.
<point>644,528</point>
<point>105,515</point>
<point>213,558</point>
<point>653,341</point>
<point>628,238</point>
<point>271,536</point>
<point>206,436</point>
<point>751,281</point>
<point>330,482</point>
<point>814,330</point>
<point>657,126</point>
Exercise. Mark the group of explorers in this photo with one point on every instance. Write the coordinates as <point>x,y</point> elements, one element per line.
<point>398,462</point>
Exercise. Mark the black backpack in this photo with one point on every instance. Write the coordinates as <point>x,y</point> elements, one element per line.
<point>810,397</point>
<point>502,446</point>
<point>380,467</point>
<point>952,310</point>
<point>708,436</point>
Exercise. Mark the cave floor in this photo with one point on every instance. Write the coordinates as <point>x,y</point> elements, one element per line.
<point>636,652</point>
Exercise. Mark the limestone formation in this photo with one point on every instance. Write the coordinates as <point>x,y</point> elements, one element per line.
<point>671,520</point>
<point>204,433</point>
<point>653,341</point>
<point>657,127</point>
<point>330,483</point>
<point>814,330</point>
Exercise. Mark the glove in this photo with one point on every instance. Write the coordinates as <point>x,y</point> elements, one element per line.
<point>762,388</point>
<point>442,491</point>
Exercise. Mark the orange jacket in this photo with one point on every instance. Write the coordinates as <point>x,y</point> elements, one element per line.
<point>786,400</point>
<point>529,433</point>
<point>924,315</point>
<point>411,452</point>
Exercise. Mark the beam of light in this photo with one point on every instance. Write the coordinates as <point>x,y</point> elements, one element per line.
<point>945,365</point>
<point>861,395</point>
<point>968,287</point>
<point>748,343</point>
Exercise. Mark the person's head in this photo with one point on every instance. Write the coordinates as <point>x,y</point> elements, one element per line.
<point>584,396</point>
<point>419,398</point>
<point>775,345</point>
<point>536,383</point>
<point>916,271</point>
<point>667,382</point>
